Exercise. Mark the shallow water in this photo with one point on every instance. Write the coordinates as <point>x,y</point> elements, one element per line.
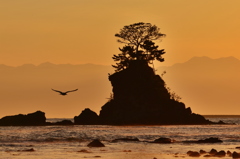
<point>61,142</point>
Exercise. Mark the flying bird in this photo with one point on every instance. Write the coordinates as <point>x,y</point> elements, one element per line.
<point>64,93</point>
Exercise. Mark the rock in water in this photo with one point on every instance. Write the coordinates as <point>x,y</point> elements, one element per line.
<point>87,117</point>
<point>96,143</point>
<point>210,140</point>
<point>33,119</point>
<point>235,155</point>
<point>163,140</point>
<point>126,140</point>
<point>140,97</point>
<point>220,154</point>
<point>213,152</point>
<point>193,153</point>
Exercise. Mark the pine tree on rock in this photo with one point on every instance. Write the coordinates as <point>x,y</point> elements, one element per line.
<point>138,39</point>
<point>139,96</point>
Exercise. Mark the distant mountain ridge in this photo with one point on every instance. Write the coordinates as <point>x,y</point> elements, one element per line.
<point>49,64</point>
<point>199,61</point>
<point>195,60</point>
<point>208,86</point>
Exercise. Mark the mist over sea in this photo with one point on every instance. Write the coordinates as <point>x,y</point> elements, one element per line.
<point>55,142</point>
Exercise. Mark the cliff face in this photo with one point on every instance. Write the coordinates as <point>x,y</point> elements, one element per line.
<point>140,97</point>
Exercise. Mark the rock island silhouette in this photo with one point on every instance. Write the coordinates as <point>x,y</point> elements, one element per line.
<point>139,96</point>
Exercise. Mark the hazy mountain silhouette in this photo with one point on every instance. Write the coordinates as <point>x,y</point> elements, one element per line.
<point>208,86</point>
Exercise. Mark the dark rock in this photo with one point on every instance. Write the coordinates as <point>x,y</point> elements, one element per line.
<point>202,152</point>
<point>162,140</point>
<point>235,155</point>
<point>229,153</point>
<point>87,117</point>
<point>221,122</point>
<point>193,154</point>
<point>96,143</point>
<point>213,152</point>
<point>126,139</point>
<point>33,119</point>
<point>189,152</point>
<point>220,154</point>
<point>210,140</point>
<point>140,97</point>
<point>27,150</point>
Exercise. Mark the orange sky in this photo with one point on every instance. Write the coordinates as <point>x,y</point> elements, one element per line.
<point>82,31</point>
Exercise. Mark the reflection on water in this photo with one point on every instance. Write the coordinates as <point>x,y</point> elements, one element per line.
<point>67,141</point>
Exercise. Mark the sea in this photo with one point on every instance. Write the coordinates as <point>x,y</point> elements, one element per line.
<point>70,142</point>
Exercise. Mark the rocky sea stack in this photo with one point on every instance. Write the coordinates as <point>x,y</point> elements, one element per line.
<point>140,97</point>
<point>32,119</point>
<point>87,117</point>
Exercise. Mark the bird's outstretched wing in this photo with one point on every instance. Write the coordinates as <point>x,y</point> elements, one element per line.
<point>56,91</point>
<point>71,91</point>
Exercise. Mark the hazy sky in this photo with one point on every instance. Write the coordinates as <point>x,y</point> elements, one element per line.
<point>82,31</point>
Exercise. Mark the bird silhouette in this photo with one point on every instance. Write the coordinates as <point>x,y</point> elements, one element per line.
<point>64,93</point>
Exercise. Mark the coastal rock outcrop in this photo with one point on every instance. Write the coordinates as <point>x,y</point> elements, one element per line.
<point>32,119</point>
<point>235,155</point>
<point>126,140</point>
<point>163,140</point>
<point>207,140</point>
<point>87,117</point>
<point>213,153</point>
<point>96,143</point>
<point>210,140</point>
<point>193,153</point>
<point>141,97</point>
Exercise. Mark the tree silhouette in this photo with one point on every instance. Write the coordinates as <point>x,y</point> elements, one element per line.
<point>138,39</point>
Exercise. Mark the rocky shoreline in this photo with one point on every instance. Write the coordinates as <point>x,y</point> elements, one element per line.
<point>38,119</point>
<point>212,153</point>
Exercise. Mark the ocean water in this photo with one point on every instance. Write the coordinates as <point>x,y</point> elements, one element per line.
<point>70,142</point>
